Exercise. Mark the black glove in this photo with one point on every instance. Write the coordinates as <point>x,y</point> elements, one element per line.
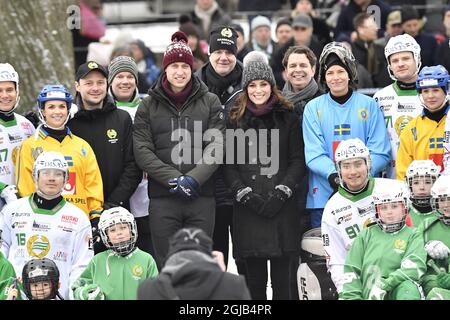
<point>333,180</point>
<point>274,203</point>
<point>251,200</point>
<point>95,231</point>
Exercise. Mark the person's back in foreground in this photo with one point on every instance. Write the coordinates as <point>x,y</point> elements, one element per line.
<point>191,272</point>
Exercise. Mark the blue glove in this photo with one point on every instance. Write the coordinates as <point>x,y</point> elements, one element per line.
<point>186,187</point>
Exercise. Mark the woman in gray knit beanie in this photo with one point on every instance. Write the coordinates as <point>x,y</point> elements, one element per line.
<point>266,223</point>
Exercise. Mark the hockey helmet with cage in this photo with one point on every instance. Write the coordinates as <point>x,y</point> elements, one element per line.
<point>389,191</point>
<point>402,43</point>
<point>433,77</point>
<point>8,73</point>
<point>351,149</point>
<point>54,92</point>
<point>345,56</point>
<point>425,169</point>
<point>39,270</point>
<point>111,217</point>
<point>440,194</point>
<point>50,160</point>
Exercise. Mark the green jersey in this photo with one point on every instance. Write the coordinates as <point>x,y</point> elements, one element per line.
<point>7,276</point>
<point>119,277</point>
<point>434,229</point>
<point>375,254</point>
<point>418,217</point>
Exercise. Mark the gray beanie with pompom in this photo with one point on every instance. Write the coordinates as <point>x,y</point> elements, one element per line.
<point>256,67</point>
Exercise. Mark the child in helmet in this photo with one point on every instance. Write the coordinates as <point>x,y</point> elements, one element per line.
<point>340,114</point>
<point>437,241</point>
<point>351,208</point>
<point>84,187</point>
<point>14,130</point>
<point>40,280</point>
<point>399,101</point>
<point>424,136</point>
<point>116,273</point>
<point>387,259</point>
<point>45,225</point>
<point>420,176</point>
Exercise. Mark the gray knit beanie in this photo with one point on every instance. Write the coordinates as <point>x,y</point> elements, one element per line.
<point>256,67</point>
<point>122,64</point>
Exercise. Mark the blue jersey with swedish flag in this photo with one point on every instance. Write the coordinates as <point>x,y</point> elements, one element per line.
<point>325,124</point>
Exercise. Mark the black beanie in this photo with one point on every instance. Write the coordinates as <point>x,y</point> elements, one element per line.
<point>190,239</point>
<point>332,60</point>
<point>223,38</point>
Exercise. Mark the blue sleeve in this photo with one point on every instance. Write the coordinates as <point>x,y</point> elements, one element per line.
<point>378,140</point>
<point>316,154</point>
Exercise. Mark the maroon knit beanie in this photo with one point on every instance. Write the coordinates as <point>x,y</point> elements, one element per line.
<point>178,51</point>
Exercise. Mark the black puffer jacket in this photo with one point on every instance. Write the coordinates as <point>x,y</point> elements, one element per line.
<point>193,278</point>
<point>227,97</point>
<point>109,132</point>
<point>157,118</point>
<point>254,235</point>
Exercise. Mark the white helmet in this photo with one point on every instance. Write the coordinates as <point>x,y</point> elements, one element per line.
<point>402,43</point>
<point>421,169</point>
<point>7,73</point>
<point>389,191</point>
<point>440,191</point>
<point>115,216</point>
<point>351,149</point>
<point>50,160</point>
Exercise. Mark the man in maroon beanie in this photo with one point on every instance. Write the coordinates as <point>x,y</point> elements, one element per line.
<point>181,187</point>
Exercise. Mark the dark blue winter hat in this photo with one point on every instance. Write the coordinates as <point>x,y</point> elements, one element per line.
<point>190,239</point>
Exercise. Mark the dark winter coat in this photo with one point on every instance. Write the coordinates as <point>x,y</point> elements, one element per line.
<point>348,13</point>
<point>255,235</point>
<point>109,132</point>
<point>299,102</point>
<point>157,117</point>
<point>443,54</point>
<point>227,97</point>
<point>194,280</point>
<point>218,18</point>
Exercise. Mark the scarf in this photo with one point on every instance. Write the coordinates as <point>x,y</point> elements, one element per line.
<point>178,99</point>
<point>304,94</point>
<point>264,109</point>
<point>205,16</point>
<point>221,85</point>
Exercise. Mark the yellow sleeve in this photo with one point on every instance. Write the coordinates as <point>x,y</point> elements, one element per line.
<point>405,151</point>
<point>24,170</point>
<point>93,182</point>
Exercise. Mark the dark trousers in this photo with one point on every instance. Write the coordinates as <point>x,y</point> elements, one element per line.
<point>222,227</point>
<point>170,214</point>
<point>280,275</point>
<point>144,240</point>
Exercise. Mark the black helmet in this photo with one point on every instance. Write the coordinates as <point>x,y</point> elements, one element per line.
<point>38,270</point>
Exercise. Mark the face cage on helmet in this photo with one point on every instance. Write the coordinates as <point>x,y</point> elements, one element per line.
<point>27,286</point>
<point>122,248</point>
<point>435,206</point>
<point>423,201</point>
<point>391,227</point>
<point>341,180</point>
